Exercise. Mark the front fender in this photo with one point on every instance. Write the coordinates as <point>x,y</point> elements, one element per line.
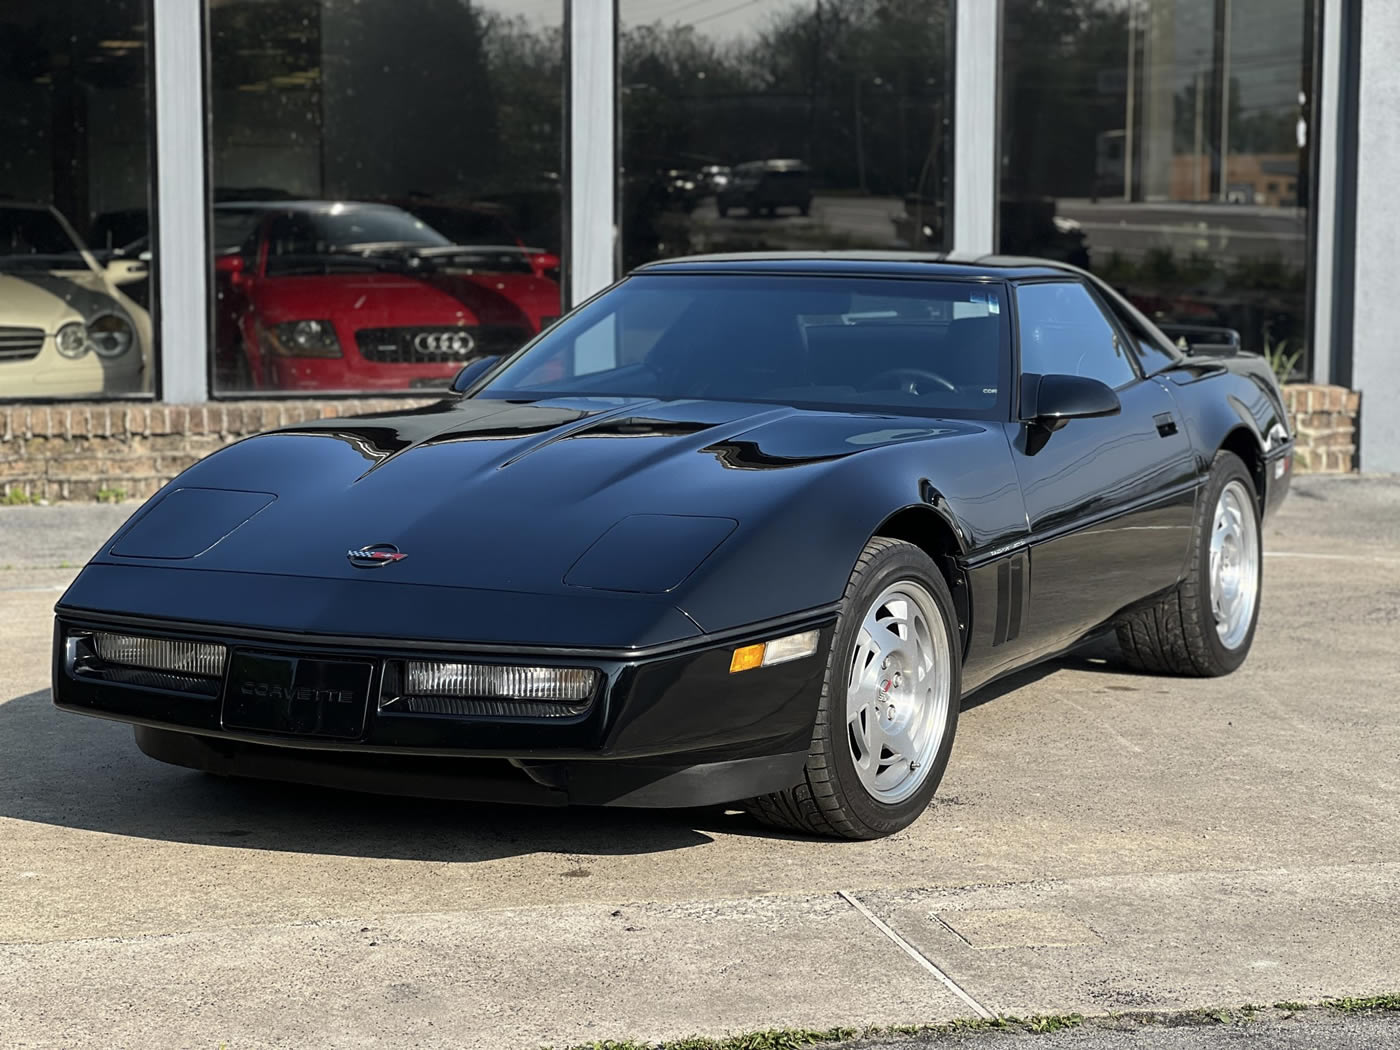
<point>799,553</point>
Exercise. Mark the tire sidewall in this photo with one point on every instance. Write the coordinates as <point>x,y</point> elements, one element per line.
<point>904,562</point>
<point>1227,468</point>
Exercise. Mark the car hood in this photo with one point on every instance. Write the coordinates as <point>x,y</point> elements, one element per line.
<point>501,495</point>
<point>45,299</point>
<point>386,299</point>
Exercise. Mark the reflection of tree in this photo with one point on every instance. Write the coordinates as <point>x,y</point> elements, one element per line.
<point>1261,297</point>
<point>408,102</point>
<point>1065,82</point>
<point>858,89</point>
<point>394,99</point>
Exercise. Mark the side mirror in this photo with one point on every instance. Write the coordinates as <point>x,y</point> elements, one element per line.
<point>1204,339</point>
<point>471,372</point>
<point>544,261</point>
<point>231,266</point>
<point>125,271</point>
<point>1052,401</point>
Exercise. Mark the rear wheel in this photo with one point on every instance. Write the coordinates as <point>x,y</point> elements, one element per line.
<point>1205,626</point>
<point>889,704</point>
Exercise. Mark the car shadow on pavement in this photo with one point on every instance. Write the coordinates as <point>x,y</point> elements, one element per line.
<point>86,773</point>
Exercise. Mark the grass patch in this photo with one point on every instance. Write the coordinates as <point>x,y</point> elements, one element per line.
<point>111,495</point>
<point>801,1038</point>
<point>1370,1002</point>
<point>19,498</point>
<point>769,1039</point>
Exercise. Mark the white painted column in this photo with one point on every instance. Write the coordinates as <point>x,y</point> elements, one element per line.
<point>182,261</point>
<point>975,147</point>
<point>592,163</point>
<point>1327,116</point>
<point>1375,306</point>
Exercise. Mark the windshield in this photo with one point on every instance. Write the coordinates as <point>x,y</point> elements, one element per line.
<point>344,237</point>
<point>33,237</point>
<point>936,347</point>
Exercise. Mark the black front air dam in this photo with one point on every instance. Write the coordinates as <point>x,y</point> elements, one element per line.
<point>482,779</point>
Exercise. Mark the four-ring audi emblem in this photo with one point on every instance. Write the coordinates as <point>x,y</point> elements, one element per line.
<point>375,555</point>
<point>458,342</point>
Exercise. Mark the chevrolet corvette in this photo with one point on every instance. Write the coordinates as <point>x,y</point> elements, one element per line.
<point>740,529</point>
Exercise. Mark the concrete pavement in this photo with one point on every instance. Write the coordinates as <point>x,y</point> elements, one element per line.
<point>1103,841</point>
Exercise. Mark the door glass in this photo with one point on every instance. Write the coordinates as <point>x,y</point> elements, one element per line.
<point>1064,332</point>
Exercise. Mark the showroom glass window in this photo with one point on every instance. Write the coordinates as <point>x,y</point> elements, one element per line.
<point>784,124</point>
<point>75,198</point>
<point>1164,145</point>
<point>386,188</point>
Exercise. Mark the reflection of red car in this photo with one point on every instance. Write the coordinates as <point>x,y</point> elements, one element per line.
<point>345,296</point>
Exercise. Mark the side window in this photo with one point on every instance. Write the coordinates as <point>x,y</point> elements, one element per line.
<point>1154,350</point>
<point>1063,331</point>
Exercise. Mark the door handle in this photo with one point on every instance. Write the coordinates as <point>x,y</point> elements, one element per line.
<point>1166,425</point>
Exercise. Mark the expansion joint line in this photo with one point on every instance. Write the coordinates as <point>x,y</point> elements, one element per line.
<point>917,956</point>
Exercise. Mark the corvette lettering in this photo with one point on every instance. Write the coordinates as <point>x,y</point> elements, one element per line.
<point>302,694</point>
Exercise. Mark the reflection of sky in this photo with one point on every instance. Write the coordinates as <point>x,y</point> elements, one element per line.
<point>536,12</point>
<point>1266,48</point>
<point>721,19</point>
<point>1266,36</point>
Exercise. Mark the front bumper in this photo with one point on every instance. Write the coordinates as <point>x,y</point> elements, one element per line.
<point>665,727</point>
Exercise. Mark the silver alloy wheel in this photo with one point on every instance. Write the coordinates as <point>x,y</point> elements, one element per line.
<point>1234,565</point>
<point>897,692</point>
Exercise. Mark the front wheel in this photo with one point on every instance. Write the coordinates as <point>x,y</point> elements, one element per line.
<point>889,703</point>
<point>1205,626</point>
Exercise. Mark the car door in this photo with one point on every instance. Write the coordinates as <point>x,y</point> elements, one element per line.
<point>1109,500</point>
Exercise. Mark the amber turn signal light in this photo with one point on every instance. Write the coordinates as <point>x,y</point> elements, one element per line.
<point>747,658</point>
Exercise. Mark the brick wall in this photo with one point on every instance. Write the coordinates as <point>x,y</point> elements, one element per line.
<point>1324,423</point>
<point>125,451</point>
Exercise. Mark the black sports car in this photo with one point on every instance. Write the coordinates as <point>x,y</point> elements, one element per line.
<point>739,528</point>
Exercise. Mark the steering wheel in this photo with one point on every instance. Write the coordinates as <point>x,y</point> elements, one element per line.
<point>907,380</point>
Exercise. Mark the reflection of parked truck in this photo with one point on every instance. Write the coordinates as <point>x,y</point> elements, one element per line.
<point>764,186</point>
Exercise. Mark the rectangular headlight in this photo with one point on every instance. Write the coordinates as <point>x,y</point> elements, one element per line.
<point>433,678</point>
<point>202,659</point>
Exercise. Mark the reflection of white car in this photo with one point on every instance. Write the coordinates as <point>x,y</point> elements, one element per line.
<point>65,328</point>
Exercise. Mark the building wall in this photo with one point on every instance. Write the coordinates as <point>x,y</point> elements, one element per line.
<point>1376,306</point>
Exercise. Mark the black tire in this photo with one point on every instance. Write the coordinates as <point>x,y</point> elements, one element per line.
<point>723,210</point>
<point>1178,635</point>
<point>831,800</point>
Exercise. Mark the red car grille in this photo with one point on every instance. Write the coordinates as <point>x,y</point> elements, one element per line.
<point>430,345</point>
<point>20,344</point>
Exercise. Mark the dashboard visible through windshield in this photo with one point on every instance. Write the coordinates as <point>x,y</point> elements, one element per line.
<point>928,347</point>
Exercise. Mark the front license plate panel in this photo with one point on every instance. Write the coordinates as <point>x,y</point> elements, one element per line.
<point>272,693</point>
